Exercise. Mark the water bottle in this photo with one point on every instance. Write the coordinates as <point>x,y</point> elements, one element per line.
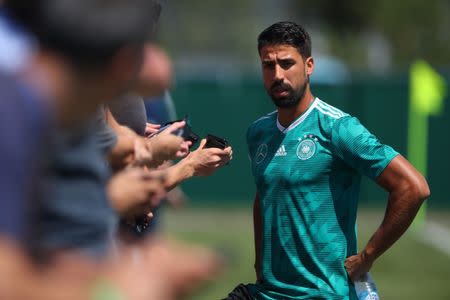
<point>366,289</point>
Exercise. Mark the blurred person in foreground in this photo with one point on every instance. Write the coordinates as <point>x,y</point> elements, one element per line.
<point>307,158</point>
<point>82,61</point>
<point>97,58</point>
<point>57,84</point>
<point>129,147</point>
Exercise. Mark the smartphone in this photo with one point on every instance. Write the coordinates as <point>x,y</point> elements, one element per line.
<point>186,132</point>
<point>213,141</point>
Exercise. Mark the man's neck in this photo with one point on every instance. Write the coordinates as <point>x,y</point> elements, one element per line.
<point>288,115</point>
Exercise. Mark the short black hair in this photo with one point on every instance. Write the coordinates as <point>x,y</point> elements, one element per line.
<point>286,33</point>
<point>87,32</point>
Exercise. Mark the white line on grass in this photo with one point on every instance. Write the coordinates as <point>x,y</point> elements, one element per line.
<point>436,236</point>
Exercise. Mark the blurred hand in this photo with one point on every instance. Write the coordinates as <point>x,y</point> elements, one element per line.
<point>357,265</point>
<point>135,191</point>
<point>205,161</point>
<point>151,128</point>
<point>142,153</point>
<point>176,198</point>
<point>166,146</point>
<point>171,269</point>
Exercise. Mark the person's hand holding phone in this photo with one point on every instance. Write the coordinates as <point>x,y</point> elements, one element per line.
<point>167,146</point>
<point>205,161</point>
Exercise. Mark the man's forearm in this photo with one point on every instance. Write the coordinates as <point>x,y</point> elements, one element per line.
<point>178,173</point>
<point>403,205</point>
<point>124,147</point>
<point>257,225</point>
<point>407,190</point>
<point>122,150</point>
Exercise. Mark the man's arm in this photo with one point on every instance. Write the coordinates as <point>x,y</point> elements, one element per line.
<point>123,151</point>
<point>201,162</point>
<point>407,190</point>
<point>131,148</point>
<point>257,227</point>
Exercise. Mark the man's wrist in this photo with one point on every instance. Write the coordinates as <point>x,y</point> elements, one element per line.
<point>368,255</point>
<point>155,151</point>
<point>187,168</point>
<point>178,173</point>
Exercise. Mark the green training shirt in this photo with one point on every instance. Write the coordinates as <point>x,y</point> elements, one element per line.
<point>308,178</point>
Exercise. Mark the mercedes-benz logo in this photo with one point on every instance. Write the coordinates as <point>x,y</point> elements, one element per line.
<point>261,153</point>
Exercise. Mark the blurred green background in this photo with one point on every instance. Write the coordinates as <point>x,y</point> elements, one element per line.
<point>363,53</point>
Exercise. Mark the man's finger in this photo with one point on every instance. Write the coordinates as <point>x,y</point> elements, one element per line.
<point>151,128</point>
<point>202,144</point>
<point>217,151</point>
<point>175,126</point>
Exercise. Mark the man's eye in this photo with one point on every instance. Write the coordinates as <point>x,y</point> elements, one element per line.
<point>286,64</point>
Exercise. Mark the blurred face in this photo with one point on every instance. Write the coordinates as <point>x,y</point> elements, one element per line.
<point>285,74</point>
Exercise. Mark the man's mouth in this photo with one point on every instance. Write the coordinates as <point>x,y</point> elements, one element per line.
<point>280,91</point>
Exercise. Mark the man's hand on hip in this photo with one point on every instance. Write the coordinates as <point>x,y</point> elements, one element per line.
<point>357,265</point>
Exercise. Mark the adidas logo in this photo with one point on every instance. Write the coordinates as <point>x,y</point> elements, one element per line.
<point>281,151</point>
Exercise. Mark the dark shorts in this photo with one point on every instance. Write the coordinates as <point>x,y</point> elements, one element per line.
<point>241,292</point>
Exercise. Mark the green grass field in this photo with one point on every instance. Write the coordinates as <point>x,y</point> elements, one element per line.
<point>409,270</point>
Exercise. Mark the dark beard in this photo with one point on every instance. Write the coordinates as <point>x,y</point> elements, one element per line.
<point>293,97</point>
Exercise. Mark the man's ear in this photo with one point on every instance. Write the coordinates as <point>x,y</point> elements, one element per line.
<point>309,66</point>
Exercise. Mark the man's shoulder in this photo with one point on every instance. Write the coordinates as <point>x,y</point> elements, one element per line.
<point>264,121</point>
<point>329,112</point>
<point>329,116</point>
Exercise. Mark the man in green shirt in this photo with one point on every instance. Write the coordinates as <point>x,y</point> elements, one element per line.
<point>307,159</point>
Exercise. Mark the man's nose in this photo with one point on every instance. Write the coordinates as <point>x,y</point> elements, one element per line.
<point>278,74</point>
